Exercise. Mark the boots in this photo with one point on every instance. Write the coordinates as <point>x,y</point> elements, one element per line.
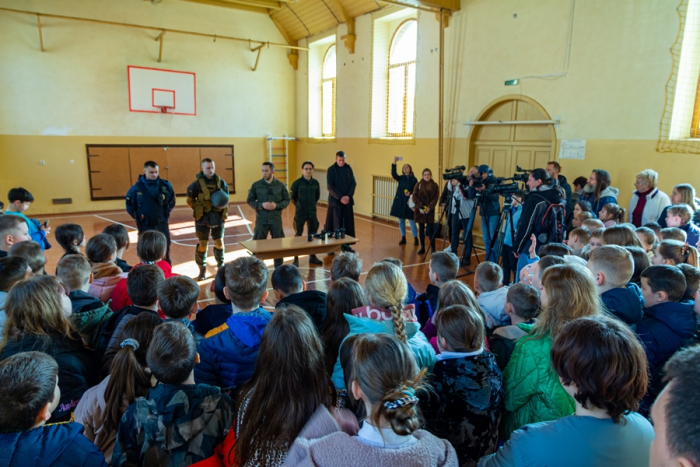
<point>415,241</point>
<point>422,246</point>
<point>314,260</point>
<point>296,261</point>
<point>403,241</point>
<point>219,255</point>
<point>200,258</point>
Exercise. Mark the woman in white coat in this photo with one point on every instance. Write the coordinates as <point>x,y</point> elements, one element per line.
<point>647,201</point>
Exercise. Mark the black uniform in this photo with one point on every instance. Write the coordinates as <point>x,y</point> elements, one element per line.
<point>304,195</point>
<point>149,203</point>
<point>340,182</point>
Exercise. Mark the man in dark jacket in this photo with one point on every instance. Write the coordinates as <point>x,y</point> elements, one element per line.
<point>542,195</point>
<point>554,169</point>
<point>150,201</point>
<point>304,195</point>
<point>208,198</point>
<point>268,197</point>
<point>489,208</point>
<point>291,290</point>
<point>341,184</point>
<point>29,393</point>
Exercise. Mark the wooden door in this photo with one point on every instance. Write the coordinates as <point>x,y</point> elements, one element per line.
<point>109,172</point>
<point>223,162</point>
<point>140,154</point>
<point>182,167</point>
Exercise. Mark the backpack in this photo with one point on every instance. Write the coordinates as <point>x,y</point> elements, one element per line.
<point>108,328</point>
<point>550,222</point>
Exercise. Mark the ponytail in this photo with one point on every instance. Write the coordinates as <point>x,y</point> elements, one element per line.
<point>399,323</point>
<point>128,377</point>
<point>616,212</point>
<point>678,252</point>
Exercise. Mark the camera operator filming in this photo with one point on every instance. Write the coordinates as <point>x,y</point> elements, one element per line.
<point>458,206</point>
<point>489,208</point>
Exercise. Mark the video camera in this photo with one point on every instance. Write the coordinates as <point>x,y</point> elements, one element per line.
<point>521,175</point>
<point>325,234</point>
<point>455,173</point>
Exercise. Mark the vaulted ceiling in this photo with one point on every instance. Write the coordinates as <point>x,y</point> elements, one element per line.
<point>297,19</point>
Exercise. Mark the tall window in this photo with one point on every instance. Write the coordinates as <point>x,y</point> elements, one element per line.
<point>401,96</point>
<point>328,93</point>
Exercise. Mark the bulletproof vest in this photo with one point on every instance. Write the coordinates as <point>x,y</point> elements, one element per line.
<point>204,204</point>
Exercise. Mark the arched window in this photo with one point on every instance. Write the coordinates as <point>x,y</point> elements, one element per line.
<point>401,97</point>
<point>328,93</point>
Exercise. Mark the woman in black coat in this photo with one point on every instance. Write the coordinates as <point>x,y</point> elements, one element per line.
<point>407,181</point>
<point>38,311</point>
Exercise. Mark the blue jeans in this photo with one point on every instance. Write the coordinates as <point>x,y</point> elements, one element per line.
<point>402,227</point>
<point>492,223</point>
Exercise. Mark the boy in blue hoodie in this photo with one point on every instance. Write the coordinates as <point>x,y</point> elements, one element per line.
<point>230,350</point>
<point>20,199</point>
<point>612,267</point>
<point>669,322</point>
<point>28,394</point>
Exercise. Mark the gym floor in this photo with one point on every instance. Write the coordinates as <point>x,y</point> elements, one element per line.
<point>378,239</point>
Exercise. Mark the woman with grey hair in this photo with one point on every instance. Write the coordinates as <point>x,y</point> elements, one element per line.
<point>647,201</point>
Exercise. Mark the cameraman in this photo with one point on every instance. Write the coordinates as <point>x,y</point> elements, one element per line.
<point>489,208</point>
<point>456,193</point>
<point>542,195</point>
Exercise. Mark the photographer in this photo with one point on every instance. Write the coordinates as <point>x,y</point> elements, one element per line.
<point>489,208</point>
<point>456,193</point>
<point>542,195</point>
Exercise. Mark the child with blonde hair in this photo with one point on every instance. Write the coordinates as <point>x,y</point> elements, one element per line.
<point>386,289</point>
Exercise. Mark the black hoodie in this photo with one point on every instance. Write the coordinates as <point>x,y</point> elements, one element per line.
<point>312,302</point>
<point>535,203</point>
<point>625,303</point>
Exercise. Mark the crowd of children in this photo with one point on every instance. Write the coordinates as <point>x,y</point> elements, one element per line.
<point>557,364</point>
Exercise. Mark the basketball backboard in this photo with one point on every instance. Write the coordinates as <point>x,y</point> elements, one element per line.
<point>153,90</point>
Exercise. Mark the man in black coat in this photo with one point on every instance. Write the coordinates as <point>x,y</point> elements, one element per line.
<point>304,195</point>
<point>150,201</point>
<point>341,185</point>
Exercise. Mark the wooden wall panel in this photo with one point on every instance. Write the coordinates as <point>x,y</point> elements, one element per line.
<point>114,169</point>
<point>109,171</point>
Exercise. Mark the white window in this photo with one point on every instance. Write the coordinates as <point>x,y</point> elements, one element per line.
<point>402,80</point>
<point>394,61</point>
<point>328,93</point>
<point>322,88</point>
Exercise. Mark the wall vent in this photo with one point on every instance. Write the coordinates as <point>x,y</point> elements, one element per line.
<point>62,201</point>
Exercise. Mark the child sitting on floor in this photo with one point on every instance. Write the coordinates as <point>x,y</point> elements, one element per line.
<point>681,216</point>
<point>647,238</point>
<point>291,289</point>
<point>177,298</point>
<point>672,233</point>
<point>522,306</point>
<point>488,283</point>
<point>71,238</point>
<point>101,251</point>
<point>32,252</point>
<point>443,268</point>
<point>578,239</point>
<point>29,393</point>
<point>121,236</point>
<point>216,314</point>
<point>611,214</point>
<point>466,406</point>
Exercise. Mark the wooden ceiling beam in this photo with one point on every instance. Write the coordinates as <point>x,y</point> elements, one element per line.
<point>256,6</point>
<point>349,38</point>
<point>293,55</point>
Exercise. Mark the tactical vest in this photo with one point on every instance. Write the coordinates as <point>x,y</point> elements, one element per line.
<point>203,204</point>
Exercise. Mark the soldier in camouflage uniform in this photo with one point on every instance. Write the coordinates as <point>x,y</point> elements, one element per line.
<point>305,193</point>
<point>268,197</point>
<point>178,422</point>
<point>208,218</point>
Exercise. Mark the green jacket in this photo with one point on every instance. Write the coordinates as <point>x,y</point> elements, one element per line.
<point>263,192</point>
<point>533,391</point>
<point>89,323</point>
<point>305,194</point>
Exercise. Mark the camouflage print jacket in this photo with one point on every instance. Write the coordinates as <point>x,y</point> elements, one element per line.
<point>467,404</point>
<point>174,425</point>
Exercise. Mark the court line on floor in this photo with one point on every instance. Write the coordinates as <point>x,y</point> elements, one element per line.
<point>114,222</point>
<point>247,224</point>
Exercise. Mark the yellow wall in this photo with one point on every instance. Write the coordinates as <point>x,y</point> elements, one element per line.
<point>78,91</point>
<point>612,94</point>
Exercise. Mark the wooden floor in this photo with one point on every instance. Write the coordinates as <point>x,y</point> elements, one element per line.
<point>378,239</point>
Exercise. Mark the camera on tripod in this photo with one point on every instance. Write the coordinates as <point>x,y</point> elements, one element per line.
<point>521,175</point>
<point>325,234</point>
<point>455,173</point>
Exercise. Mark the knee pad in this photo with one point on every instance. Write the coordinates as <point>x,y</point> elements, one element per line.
<point>203,245</point>
<point>219,243</point>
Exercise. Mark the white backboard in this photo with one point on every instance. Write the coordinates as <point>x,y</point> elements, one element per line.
<point>152,89</point>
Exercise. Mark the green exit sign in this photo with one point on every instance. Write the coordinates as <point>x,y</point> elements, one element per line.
<point>512,82</point>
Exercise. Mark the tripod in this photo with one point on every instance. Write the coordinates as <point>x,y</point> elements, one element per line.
<point>498,236</point>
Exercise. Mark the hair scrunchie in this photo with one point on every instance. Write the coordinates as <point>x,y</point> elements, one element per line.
<point>402,402</point>
<point>133,343</point>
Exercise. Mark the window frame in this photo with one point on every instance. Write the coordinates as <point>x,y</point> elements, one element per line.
<point>333,92</point>
<point>405,133</point>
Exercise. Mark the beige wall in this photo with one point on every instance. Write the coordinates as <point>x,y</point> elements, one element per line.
<point>78,89</point>
<point>612,94</point>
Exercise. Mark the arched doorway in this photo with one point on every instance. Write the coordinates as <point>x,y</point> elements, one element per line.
<point>503,147</point>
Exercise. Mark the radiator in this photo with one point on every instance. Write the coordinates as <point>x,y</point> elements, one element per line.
<point>383,192</point>
<point>322,177</point>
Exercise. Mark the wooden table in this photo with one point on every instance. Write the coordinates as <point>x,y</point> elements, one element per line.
<point>272,248</point>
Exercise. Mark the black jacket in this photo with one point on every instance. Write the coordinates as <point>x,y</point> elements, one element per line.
<point>665,329</point>
<point>312,302</point>
<point>466,406</point>
<point>149,202</point>
<point>212,317</point>
<point>77,368</point>
<point>535,204</point>
<point>399,207</point>
<point>625,303</point>
<point>488,204</point>
<point>340,181</point>
<point>304,194</point>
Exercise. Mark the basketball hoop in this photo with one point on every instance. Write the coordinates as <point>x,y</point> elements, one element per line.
<point>164,109</point>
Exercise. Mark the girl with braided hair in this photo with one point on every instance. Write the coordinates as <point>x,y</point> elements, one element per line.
<point>385,288</point>
<point>383,376</point>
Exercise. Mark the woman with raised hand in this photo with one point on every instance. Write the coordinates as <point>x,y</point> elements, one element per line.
<point>399,208</point>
